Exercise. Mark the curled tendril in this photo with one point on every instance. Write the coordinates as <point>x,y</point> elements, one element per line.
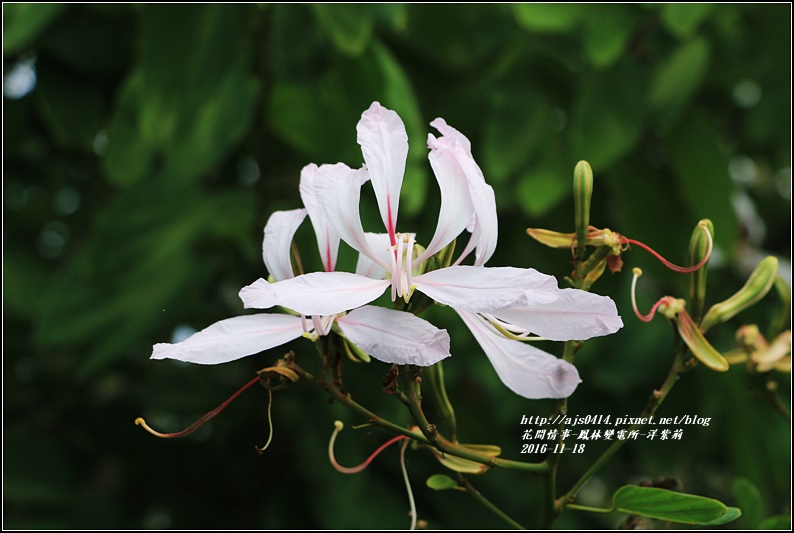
<point>668,264</point>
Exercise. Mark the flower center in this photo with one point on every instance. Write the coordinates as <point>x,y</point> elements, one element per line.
<point>401,257</point>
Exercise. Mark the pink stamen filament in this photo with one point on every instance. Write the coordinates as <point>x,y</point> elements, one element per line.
<point>668,264</point>
<point>201,421</point>
<point>365,464</point>
<point>650,315</point>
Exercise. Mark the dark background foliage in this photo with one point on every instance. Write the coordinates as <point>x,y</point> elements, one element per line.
<point>146,145</point>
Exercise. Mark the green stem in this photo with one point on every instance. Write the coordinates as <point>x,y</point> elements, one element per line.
<point>413,401</point>
<point>589,509</point>
<point>487,503</point>
<point>656,399</point>
<point>552,510</point>
<point>345,400</point>
<point>436,375</point>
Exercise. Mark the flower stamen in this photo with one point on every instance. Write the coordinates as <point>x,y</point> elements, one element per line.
<point>201,421</point>
<point>269,423</point>
<point>668,264</point>
<point>338,426</point>
<point>411,501</point>
<point>645,318</point>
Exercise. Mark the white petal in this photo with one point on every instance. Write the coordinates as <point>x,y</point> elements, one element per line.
<point>456,207</point>
<point>232,339</point>
<point>384,143</point>
<point>339,188</point>
<point>575,315</point>
<point>485,224</point>
<point>316,293</point>
<point>379,243</point>
<point>395,336</point>
<point>327,237</point>
<point>526,370</point>
<point>279,231</point>
<point>484,290</point>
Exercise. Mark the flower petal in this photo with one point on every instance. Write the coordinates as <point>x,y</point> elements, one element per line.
<point>339,186</point>
<point>316,293</point>
<point>279,231</point>
<point>484,226</point>
<point>327,236</point>
<point>395,336</point>
<point>526,370</point>
<point>456,208</point>
<point>575,315</point>
<point>378,243</point>
<point>232,339</point>
<point>484,290</point>
<point>384,143</point>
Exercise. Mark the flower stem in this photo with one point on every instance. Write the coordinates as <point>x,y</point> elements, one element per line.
<point>436,375</point>
<point>487,503</point>
<point>656,399</point>
<point>413,400</point>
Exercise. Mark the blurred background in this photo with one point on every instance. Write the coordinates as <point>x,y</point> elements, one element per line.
<point>145,146</point>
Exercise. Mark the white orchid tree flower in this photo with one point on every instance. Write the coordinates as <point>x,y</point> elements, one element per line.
<point>510,295</point>
<point>386,334</point>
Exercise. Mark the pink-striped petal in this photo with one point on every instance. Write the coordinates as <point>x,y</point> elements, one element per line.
<point>456,207</point>
<point>395,336</point>
<point>484,225</point>
<point>384,143</point>
<point>339,188</point>
<point>524,369</point>
<point>484,290</point>
<point>378,244</point>
<point>316,293</point>
<point>327,236</point>
<point>575,315</point>
<point>279,232</point>
<point>232,339</point>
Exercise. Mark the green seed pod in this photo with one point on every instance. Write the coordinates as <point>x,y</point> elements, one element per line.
<point>759,283</point>
<point>582,194</point>
<point>699,245</point>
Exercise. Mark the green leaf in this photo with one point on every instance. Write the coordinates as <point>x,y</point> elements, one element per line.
<point>683,19</point>
<point>548,18</point>
<point>185,105</point>
<point>73,107</point>
<point>541,189</point>
<point>782,522</point>
<point>668,505</point>
<point>750,502</point>
<point>606,33</point>
<point>23,22</point>
<point>700,169</point>
<point>677,80</point>
<point>349,26</point>
<point>730,515</point>
<point>607,119</point>
<point>441,482</point>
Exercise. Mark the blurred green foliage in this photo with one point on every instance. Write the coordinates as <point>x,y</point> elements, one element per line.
<point>146,145</point>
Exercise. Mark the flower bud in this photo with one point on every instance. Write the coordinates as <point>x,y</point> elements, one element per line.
<point>552,239</point>
<point>699,246</point>
<point>697,343</point>
<point>776,355</point>
<point>582,194</point>
<point>759,283</point>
